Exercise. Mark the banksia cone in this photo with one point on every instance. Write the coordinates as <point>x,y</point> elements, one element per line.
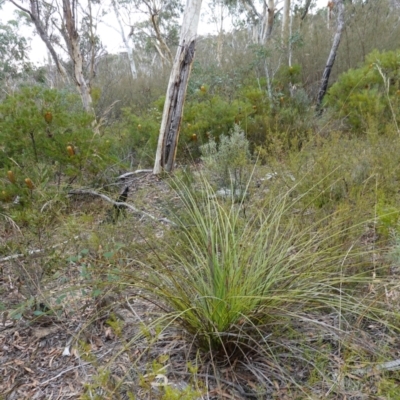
<point>11,176</point>
<point>194,137</point>
<point>48,117</point>
<point>29,183</point>
<point>70,150</point>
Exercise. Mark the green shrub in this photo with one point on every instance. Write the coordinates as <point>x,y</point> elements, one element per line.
<point>49,127</point>
<point>137,136</point>
<point>369,93</point>
<point>210,117</point>
<point>228,162</point>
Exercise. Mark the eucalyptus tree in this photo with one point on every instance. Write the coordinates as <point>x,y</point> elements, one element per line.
<point>160,29</point>
<point>68,27</point>
<point>13,50</point>
<point>261,16</point>
<point>305,9</point>
<point>218,12</point>
<point>125,41</point>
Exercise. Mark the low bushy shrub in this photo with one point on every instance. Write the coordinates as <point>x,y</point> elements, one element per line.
<point>227,163</point>
<point>368,94</point>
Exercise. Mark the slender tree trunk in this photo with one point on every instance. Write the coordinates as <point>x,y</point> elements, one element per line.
<point>220,34</point>
<point>270,20</point>
<point>72,39</point>
<point>285,22</point>
<point>125,41</point>
<point>338,4</point>
<point>166,52</point>
<point>176,92</point>
<point>305,10</point>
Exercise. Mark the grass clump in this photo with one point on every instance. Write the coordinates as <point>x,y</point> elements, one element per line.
<point>251,287</point>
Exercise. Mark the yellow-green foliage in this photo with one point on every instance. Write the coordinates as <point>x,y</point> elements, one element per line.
<point>137,135</point>
<point>369,92</point>
<point>213,116</point>
<point>340,168</point>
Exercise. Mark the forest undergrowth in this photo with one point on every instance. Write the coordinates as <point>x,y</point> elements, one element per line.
<point>265,267</point>
<point>229,278</point>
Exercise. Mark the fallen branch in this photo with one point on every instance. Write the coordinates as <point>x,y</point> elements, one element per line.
<point>36,251</point>
<point>119,204</point>
<point>386,366</point>
<point>138,171</point>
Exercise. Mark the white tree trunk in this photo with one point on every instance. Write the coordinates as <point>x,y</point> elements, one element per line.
<point>70,33</point>
<point>176,92</point>
<point>125,41</point>
<point>285,22</point>
<point>72,39</point>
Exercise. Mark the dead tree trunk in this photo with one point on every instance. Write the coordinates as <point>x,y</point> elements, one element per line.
<point>338,4</point>
<point>176,92</point>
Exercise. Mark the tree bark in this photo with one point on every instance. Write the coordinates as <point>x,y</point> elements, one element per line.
<point>332,55</point>
<point>160,44</point>
<point>262,22</point>
<point>176,92</point>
